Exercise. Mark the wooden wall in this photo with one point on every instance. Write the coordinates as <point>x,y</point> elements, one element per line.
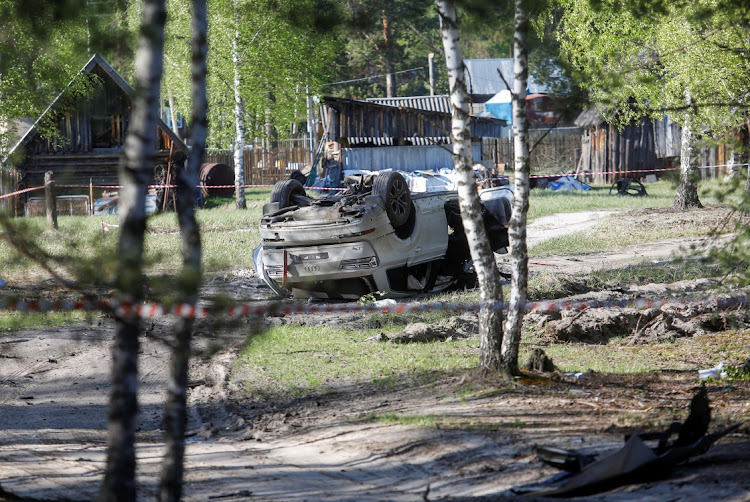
<point>555,151</point>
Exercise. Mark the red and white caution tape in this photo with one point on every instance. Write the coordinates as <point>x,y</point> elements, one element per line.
<point>19,192</point>
<point>152,310</point>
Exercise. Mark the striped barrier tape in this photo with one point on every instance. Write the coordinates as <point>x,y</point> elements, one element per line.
<point>20,192</point>
<point>152,310</point>
<point>587,173</point>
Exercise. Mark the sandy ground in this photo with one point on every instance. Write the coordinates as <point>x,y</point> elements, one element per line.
<point>54,389</point>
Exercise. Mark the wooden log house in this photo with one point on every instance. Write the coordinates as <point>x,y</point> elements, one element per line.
<point>87,142</point>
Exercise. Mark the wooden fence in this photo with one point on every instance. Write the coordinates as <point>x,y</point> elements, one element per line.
<point>264,166</point>
<point>553,151</point>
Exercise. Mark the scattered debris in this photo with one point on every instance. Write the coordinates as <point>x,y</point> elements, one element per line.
<point>388,302</point>
<point>456,327</point>
<point>580,375</point>
<point>634,462</point>
<point>419,332</point>
<point>627,186</point>
<point>715,373</point>
<point>567,183</point>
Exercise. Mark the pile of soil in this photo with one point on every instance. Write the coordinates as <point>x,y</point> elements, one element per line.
<point>674,319</point>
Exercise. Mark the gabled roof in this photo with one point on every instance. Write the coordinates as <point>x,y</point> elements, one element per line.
<point>591,117</point>
<point>96,60</point>
<point>482,77</point>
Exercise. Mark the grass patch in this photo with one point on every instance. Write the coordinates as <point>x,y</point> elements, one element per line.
<point>660,273</point>
<point>544,202</point>
<point>80,247</point>
<point>609,235</point>
<point>18,321</point>
<point>660,194</point>
<point>704,351</point>
<point>305,358</point>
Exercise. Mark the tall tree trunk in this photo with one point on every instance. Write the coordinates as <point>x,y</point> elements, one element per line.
<point>239,118</point>
<point>517,230</point>
<point>490,319</point>
<point>687,190</point>
<point>187,180</point>
<point>390,78</point>
<point>136,168</point>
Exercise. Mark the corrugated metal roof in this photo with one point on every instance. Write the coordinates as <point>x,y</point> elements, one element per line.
<point>482,76</point>
<point>429,103</point>
<point>411,141</point>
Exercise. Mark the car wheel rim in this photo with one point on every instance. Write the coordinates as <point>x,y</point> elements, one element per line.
<point>398,198</point>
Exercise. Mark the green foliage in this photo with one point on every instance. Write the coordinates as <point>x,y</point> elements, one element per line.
<point>734,257</point>
<point>738,373</point>
<point>639,65</point>
<point>285,49</point>
<point>366,55</point>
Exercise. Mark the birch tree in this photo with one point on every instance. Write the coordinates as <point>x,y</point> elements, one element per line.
<point>687,189</point>
<point>490,319</point>
<point>187,180</point>
<point>517,226</point>
<point>239,116</point>
<point>135,172</point>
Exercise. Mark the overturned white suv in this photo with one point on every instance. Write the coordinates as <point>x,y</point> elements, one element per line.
<point>374,237</point>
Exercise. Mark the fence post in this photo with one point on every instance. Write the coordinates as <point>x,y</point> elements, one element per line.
<point>50,200</point>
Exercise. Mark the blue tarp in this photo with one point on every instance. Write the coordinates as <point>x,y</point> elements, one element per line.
<point>2,283</point>
<point>567,183</point>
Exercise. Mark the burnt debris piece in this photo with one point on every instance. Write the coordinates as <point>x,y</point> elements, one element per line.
<point>635,462</point>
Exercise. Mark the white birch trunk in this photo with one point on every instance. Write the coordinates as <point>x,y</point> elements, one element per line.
<point>687,191</point>
<point>490,319</point>
<point>170,486</point>
<point>517,228</point>
<point>136,169</point>
<point>239,119</point>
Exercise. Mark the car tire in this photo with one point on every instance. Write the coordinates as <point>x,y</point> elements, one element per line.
<point>394,190</point>
<point>284,190</point>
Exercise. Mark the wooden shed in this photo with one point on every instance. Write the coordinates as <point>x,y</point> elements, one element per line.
<point>86,142</point>
<point>404,134</point>
<point>611,153</point>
